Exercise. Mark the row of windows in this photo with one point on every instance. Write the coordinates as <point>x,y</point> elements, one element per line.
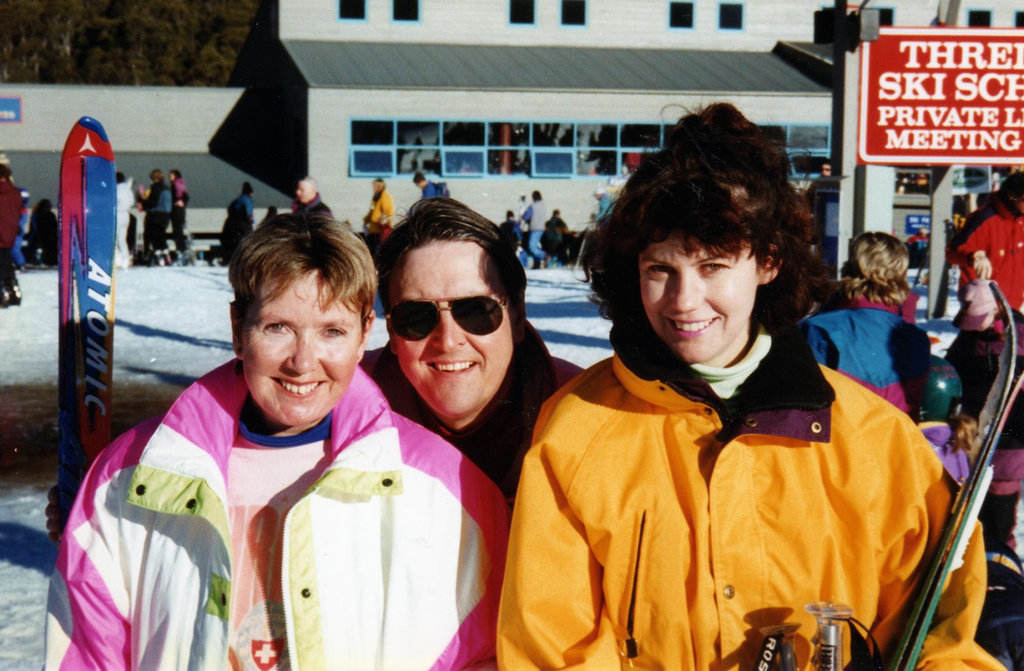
<point>573,12</point>
<point>730,15</point>
<point>976,18</point>
<point>384,147</point>
<point>982,18</point>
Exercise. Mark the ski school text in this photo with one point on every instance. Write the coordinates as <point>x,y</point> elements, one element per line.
<point>98,328</point>
<point>942,96</point>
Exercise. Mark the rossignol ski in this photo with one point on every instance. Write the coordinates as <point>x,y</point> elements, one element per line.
<point>88,212</point>
<point>957,531</point>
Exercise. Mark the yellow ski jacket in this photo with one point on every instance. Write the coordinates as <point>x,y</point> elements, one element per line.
<point>655,529</point>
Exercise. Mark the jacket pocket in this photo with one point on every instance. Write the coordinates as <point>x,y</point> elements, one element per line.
<point>629,646</point>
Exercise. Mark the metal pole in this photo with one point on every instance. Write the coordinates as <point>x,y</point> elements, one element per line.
<point>942,202</point>
<point>844,134</point>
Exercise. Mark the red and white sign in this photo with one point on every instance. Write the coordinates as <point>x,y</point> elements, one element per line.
<point>942,96</point>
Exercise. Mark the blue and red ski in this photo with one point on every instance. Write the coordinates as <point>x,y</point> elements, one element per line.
<point>88,215</point>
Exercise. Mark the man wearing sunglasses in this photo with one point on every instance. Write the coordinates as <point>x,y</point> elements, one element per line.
<point>462,360</point>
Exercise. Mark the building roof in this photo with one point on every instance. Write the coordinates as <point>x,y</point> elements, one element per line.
<point>512,68</point>
<point>822,52</point>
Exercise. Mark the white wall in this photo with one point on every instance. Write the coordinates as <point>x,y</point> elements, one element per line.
<point>136,118</point>
<point>610,23</point>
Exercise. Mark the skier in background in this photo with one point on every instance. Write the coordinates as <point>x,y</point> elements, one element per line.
<point>157,205</point>
<point>17,254</point>
<point>238,223</point>
<point>10,218</point>
<point>179,200</point>
<point>125,204</point>
<point>863,330</point>
<point>974,353</point>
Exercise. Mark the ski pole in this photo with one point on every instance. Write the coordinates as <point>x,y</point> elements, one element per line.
<point>828,641</point>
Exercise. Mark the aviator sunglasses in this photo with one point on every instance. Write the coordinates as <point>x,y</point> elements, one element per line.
<point>479,315</point>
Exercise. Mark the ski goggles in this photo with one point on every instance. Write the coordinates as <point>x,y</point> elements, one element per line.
<point>415,320</point>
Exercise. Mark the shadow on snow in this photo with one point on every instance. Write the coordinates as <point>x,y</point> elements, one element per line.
<point>27,547</point>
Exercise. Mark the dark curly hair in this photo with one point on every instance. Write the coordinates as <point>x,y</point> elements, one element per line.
<point>724,185</point>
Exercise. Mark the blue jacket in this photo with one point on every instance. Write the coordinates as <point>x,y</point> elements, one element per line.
<point>872,344</point>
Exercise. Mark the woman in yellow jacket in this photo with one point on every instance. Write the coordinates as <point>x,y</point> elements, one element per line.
<point>711,479</point>
<point>378,220</point>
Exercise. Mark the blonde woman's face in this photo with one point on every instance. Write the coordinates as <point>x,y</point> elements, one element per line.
<point>298,356</point>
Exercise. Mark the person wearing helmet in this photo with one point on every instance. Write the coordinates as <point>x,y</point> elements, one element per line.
<point>953,434</point>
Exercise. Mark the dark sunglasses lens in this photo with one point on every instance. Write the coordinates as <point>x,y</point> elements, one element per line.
<point>414,320</point>
<point>480,315</point>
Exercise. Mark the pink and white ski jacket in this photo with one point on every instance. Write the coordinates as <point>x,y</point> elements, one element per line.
<point>393,559</point>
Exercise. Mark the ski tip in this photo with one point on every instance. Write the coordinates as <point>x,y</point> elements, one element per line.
<point>88,138</point>
<point>93,125</point>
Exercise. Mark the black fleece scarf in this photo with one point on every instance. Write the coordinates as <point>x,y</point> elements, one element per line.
<point>788,377</point>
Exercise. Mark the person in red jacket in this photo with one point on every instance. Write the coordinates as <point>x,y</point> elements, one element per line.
<point>10,216</point>
<point>991,244</point>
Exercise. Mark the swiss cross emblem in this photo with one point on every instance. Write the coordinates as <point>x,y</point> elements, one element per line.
<point>266,654</point>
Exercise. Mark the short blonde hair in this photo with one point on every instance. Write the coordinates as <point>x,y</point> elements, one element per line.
<point>876,269</point>
<point>290,246</point>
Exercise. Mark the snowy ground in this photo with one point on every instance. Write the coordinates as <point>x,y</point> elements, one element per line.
<point>172,326</point>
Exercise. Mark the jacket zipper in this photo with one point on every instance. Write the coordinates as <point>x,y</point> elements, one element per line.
<point>630,649</point>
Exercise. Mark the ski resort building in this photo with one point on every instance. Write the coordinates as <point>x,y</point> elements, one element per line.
<point>498,98</point>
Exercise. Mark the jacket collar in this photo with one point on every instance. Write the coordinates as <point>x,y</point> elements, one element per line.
<point>864,303</point>
<point>787,395</point>
<point>206,414</point>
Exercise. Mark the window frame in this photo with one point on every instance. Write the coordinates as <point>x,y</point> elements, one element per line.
<point>561,15</point>
<point>369,148</point>
<point>522,24</point>
<point>419,12</point>
<point>347,19</point>
<point>892,16</point>
<point>743,16</point>
<point>693,15</point>
<point>977,10</point>
<point>530,160</point>
<point>816,154</point>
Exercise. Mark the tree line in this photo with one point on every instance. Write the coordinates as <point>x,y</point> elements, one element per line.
<point>133,42</point>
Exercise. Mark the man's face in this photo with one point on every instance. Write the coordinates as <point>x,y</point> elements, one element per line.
<point>1017,203</point>
<point>305,193</point>
<point>457,374</point>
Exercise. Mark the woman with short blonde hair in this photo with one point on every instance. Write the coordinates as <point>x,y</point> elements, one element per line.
<point>876,269</point>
